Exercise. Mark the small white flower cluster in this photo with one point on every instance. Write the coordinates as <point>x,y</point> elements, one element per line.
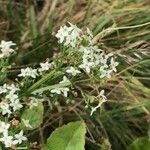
<point>5,48</point>
<point>33,73</point>
<point>11,102</point>
<point>92,56</point>
<point>9,140</point>
<point>96,58</point>
<point>68,35</point>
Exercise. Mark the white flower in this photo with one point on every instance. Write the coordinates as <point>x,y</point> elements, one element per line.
<point>105,72</point>
<point>12,88</point>
<point>16,105</point>
<point>94,57</point>
<point>91,57</point>
<point>63,90</point>
<point>87,66</point>
<point>56,90</point>
<point>4,107</point>
<point>76,31</point>
<point>4,127</point>
<point>103,62</point>
<point>73,71</point>
<point>11,96</point>
<point>28,72</point>
<point>26,123</point>
<point>20,138</point>
<point>63,33</point>
<point>45,66</point>
<point>3,89</point>
<point>7,140</point>
<point>65,80</point>
<point>68,35</point>
<point>114,64</point>
<point>5,48</point>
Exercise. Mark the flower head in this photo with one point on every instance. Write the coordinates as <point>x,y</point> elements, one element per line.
<point>5,48</point>
<point>4,127</point>
<point>5,109</point>
<point>16,105</point>
<point>19,138</point>
<point>45,66</point>
<point>7,140</point>
<point>28,72</point>
<point>26,123</point>
<point>68,35</point>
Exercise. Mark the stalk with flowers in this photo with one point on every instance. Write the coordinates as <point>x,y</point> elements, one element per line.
<point>50,83</point>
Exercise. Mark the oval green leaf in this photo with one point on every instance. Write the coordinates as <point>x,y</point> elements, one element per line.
<point>34,115</point>
<point>68,137</point>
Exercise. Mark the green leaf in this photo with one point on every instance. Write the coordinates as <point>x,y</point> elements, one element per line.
<point>50,76</point>
<point>33,22</point>
<point>68,137</point>
<point>140,144</point>
<point>52,87</point>
<point>34,115</point>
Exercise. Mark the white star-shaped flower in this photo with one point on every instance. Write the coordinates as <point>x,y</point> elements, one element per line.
<point>12,88</point>
<point>5,48</point>
<point>4,127</point>
<point>16,105</point>
<point>28,72</point>
<point>45,66</point>
<point>5,108</point>
<point>11,96</point>
<point>3,89</point>
<point>19,138</point>
<point>7,140</point>
<point>26,123</point>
